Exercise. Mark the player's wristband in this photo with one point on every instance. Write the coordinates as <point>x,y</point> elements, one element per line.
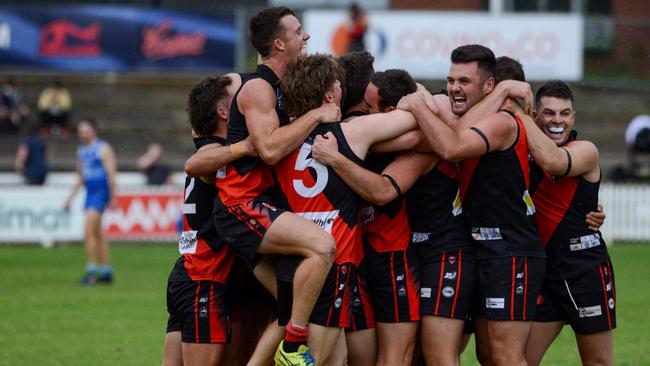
<point>394,183</point>
<point>238,149</point>
<point>569,162</point>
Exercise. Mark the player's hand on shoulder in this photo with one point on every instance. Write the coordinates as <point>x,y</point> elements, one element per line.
<point>326,149</point>
<point>510,105</point>
<point>249,147</point>
<point>329,112</point>
<point>520,90</point>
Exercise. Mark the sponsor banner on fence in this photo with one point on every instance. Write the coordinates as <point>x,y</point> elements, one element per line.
<point>32,215</point>
<point>548,46</point>
<point>93,37</point>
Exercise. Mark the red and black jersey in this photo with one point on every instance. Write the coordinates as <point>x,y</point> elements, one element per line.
<point>315,192</point>
<point>434,208</point>
<point>248,177</point>
<point>386,228</point>
<point>496,202</point>
<point>562,204</point>
<point>204,257</point>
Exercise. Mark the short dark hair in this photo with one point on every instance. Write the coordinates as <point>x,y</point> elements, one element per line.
<point>265,27</point>
<point>508,69</point>
<point>392,85</point>
<point>358,70</point>
<point>305,85</point>
<point>554,88</point>
<point>90,121</point>
<point>483,56</point>
<point>203,101</point>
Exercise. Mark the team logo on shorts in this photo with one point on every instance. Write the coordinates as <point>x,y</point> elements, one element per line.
<point>611,303</point>
<point>425,292</point>
<point>540,299</point>
<point>338,302</point>
<point>452,259</point>
<point>450,275</point>
<point>203,312</point>
<point>402,291</point>
<point>448,291</point>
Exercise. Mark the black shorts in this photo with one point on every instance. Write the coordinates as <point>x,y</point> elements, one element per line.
<point>243,226</point>
<point>509,286</point>
<point>587,302</point>
<point>199,310</point>
<point>447,281</point>
<point>393,284</point>
<point>342,303</point>
<point>363,312</point>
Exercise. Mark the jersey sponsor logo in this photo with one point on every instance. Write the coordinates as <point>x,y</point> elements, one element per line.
<point>323,219</point>
<point>530,206</point>
<point>419,237</point>
<point>450,275</point>
<point>448,291</point>
<point>457,205</point>
<point>486,233</point>
<point>367,215</point>
<point>590,311</point>
<point>495,303</point>
<point>425,292</point>
<point>584,242</point>
<point>187,242</point>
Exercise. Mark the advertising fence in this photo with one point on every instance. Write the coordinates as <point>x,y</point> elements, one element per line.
<point>549,46</point>
<point>36,215</point>
<point>115,38</point>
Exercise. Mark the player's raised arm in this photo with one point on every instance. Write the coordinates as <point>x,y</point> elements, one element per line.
<point>491,133</point>
<point>367,130</point>
<point>273,142</point>
<point>575,159</point>
<point>492,102</point>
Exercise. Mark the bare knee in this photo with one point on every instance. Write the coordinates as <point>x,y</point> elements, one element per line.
<point>324,248</point>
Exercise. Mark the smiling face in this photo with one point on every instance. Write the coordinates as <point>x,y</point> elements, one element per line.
<point>465,87</point>
<point>555,116</point>
<point>294,38</point>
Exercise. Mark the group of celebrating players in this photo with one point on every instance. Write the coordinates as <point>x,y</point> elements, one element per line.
<point>384,223</point>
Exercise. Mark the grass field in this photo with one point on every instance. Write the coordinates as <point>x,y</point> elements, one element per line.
<point>47,319</point>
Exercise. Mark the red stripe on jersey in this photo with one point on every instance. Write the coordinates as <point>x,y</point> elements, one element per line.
<point>234,189</point>
<point>411,291</point>
<point>460,268</point>
<point>602,279</point>
<point>196,311</point>
<point>467,168</point>
<point>512,289</point>
<point>214,314</point>
<point>344,318</point>
<point>442,275</point>
<point>552,200</point>
<point>386,234</point>
<point>611,278</point>
<point>521,149</point>
<point>392,278</point>
<point>449,169</point>
<point>525,283</point>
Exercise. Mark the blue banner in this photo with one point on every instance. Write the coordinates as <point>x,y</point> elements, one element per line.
<point>103,38</point>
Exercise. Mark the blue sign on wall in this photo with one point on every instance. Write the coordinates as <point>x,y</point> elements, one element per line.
<point>100,38</point>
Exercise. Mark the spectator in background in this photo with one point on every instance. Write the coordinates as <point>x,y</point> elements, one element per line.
<point>13,108</point>
<point>150,163</point>
<point>357,27</point>
<point>31,157</point>
<point>637,139</point>
<point>97,171</point>
<point>54,106</point>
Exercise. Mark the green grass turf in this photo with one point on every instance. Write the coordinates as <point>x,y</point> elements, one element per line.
<point>48,319</point>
